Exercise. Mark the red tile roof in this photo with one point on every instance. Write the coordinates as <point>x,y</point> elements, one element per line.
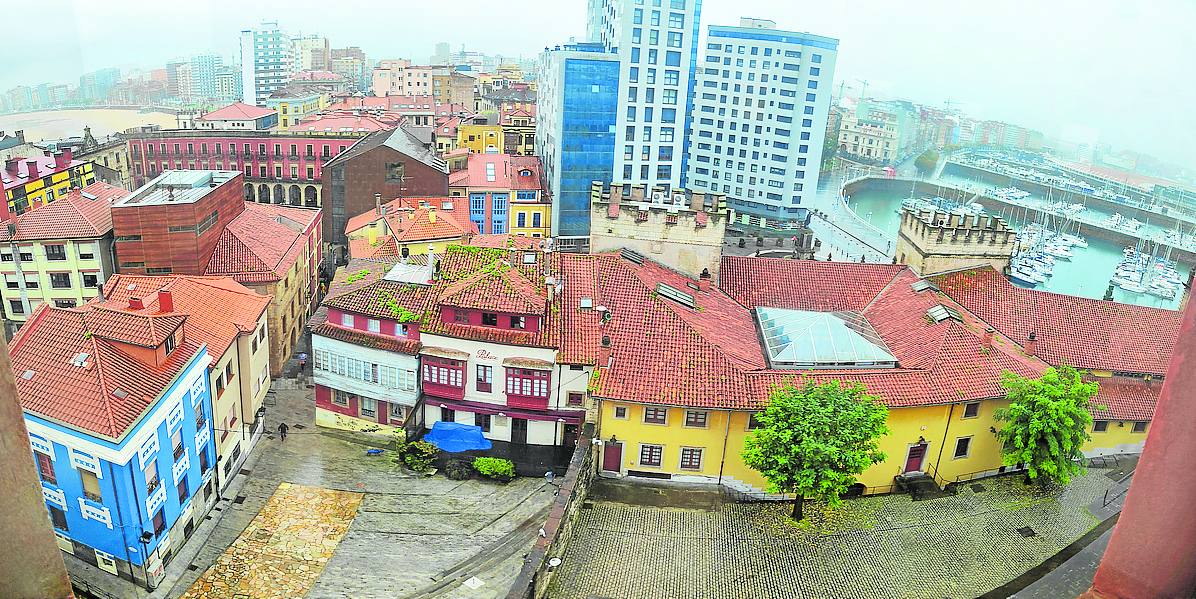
<point>46,165</point>
<point>217,309</point>
<point>339,122</point>
<point>507,169</point>
<point>1125,399</point>
<point>73,216</point>
<point>237,111</point>
<point>811,285</point>
<point>1076,331</point>
<point>409,222</point>
<point>521,242</point>
<point>263,242</point>
<point>82,397</point>
<point>667,353</point>
<point>360,288</point>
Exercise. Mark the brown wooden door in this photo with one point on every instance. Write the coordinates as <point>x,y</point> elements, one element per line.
<point>913,462</point>
<point>612,456</point>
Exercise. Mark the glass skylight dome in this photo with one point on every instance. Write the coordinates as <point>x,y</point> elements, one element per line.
<point>805,339</point>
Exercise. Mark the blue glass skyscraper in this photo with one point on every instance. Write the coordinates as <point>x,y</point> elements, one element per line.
<point>575,138</point>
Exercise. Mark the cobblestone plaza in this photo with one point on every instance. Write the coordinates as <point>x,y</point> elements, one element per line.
<point>884,546</point>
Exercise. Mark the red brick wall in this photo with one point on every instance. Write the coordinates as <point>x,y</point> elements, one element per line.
<point>365,175</point>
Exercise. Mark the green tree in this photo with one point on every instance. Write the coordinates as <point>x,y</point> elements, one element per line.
<point>927,160</point>
<point>812,441</point>
<point>1046,423</point>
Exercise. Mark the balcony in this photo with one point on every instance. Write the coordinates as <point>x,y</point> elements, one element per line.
<point>179,450</point>
<point>527,401</point>
<point>442,390</point>
<point>247,155</point>
<point>96,497</point>
<point>152,485</point>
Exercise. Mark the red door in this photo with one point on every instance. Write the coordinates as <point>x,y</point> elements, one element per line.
<point>913,463</point>
<point>612,456</point>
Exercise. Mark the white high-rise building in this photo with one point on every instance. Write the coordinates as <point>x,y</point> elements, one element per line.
<point>760,113</point>
<point>203,76</point>
<point>657,43</point>
<point>265,62</point>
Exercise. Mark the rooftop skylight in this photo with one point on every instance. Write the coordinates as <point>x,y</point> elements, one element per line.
<point>805,339</point>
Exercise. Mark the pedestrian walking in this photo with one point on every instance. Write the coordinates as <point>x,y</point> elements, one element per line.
<point>282,430</point>
<point>303,363</point>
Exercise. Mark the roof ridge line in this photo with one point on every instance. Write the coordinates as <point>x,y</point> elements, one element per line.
<point>884,289</point>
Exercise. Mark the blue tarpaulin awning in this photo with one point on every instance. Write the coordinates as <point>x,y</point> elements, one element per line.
<point>454,436</point>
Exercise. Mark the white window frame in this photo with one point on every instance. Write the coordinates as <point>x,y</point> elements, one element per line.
<point>955,449</point>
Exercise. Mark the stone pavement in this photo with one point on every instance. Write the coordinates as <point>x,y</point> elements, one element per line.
<point>284,549</point>
<point>413,535</point>
<point>887,546</point>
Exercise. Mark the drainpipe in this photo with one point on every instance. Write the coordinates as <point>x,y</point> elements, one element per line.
<point>938,460</point>
<point>726,435</point>
<point>141,529</point>
<point>120,518</point>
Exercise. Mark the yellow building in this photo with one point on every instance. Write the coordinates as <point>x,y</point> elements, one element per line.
<point>293,108</point>
<point>409,227</point>
<point>519,131</point>
<point>680,405</point>
<point>32,182</point>
<point>505,194</point>
<point>480,139</point>
<point>231,321</point>
<point>58,253</point>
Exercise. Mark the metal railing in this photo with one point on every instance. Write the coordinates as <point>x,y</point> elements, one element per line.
<point>1120,491</point>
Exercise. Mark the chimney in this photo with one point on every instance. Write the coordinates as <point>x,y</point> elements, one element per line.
<point>604,352</point>
<point>165,301</point>
<point>550,283</point>
<point>136,304</point>
<point>100,292</point>
<point>68,155</point>
<point>1031,344</point>
<point>11,164</point>
<point>987,340</point>
<point>378,204</point>
<point>704,280</point>
<point>31,165</point>
<point>431,215</point>
<point>20,135</point>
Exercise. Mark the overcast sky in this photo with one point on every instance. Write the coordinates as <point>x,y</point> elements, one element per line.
<point>1119,70</point>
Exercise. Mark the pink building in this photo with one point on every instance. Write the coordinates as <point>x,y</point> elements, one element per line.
<point>279,167</point>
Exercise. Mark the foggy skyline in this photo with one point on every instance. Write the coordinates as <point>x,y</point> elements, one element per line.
<point>1072,68</point>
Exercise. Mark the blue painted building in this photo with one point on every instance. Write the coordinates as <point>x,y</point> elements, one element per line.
<point>576,110</point>
<point>119,411</point>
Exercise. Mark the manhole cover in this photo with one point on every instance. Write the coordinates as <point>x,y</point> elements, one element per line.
<point>589,505</point>
<point>192,567</point>
<point>977,487</point>
<point>299,427</point>
<point>245,471</point>
<point>1026,531</point>
<point>239,499</point>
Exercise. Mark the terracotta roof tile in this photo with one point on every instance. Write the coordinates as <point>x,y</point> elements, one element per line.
<point>237,111</point>
<point>83,397</point>
<point>1075,331</point>
<point>1125,399</point>
<point>262,243</point>
<point>73,216</point>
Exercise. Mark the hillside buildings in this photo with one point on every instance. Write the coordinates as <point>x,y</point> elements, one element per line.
<point>760,113</point>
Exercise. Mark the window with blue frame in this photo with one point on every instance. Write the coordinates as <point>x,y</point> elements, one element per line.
<point>672,59</point>
<point>498,212</point>
<point>477,210</point>
<point>525,195</point>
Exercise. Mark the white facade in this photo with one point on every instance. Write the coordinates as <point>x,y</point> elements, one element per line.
<point>657,42</point>
<point>203,76</point>
<point>482,353</point>
<point>760,113</point>
<point>405,391</point>
<point>265,62</point>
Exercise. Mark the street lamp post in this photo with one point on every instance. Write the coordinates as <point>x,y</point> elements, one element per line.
<point>145,540</point>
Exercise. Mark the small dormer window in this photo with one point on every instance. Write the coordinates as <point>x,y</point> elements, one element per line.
<point>525,173</point>
<point>170,344</point>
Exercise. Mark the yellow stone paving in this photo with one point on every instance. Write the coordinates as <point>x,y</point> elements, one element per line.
<point>284,549</point>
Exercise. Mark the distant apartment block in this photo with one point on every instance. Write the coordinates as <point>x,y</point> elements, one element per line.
<point>265,62</point>
<point>576,119</point>
<point>657,44</point>
<point>760,113</point>
<point>879,132</point>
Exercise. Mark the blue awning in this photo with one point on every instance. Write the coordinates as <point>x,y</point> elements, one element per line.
<point>454,436</point>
